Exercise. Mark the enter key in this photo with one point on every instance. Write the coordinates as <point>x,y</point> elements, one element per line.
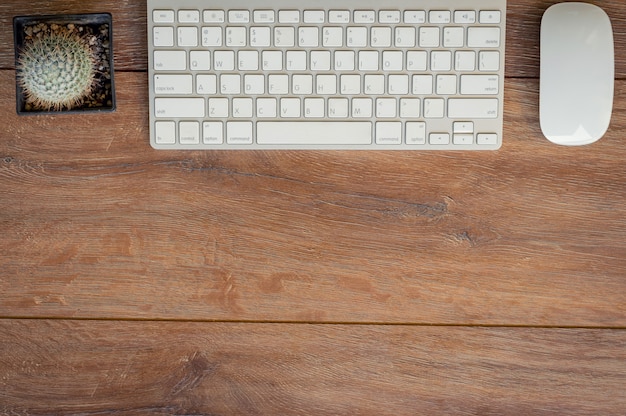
<point>480,84</point>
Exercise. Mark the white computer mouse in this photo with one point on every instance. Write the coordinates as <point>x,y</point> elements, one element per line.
<point>577,73</point>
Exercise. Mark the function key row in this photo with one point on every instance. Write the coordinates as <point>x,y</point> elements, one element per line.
<point>333,16</point>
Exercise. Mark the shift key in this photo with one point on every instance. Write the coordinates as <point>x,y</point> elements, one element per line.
<point>179,107</point>
<point>468,108</point>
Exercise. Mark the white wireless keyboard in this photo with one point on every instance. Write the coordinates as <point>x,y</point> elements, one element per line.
<point>326,74</point>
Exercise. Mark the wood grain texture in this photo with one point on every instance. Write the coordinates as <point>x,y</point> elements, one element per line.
<point>327,269</point>
<point>531,234</point>
<point>108,368</point>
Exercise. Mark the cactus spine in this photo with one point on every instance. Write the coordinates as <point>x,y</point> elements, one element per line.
<point>57,71</point>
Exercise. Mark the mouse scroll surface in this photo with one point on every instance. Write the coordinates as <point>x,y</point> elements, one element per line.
<point>577,72</point>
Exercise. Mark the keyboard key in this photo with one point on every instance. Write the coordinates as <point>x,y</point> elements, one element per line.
<point>289,16</point>
<point>296,61</point>
<point>303,84</point>
<point>284,36</point>
<point>248,60</point>
<point>469,108</point>
<point>440,61</point>
<point>415,132</point>
<point>339,16</point>
<point>416,60</point>
<point>308,37</point>
<point>439,138</point>
<point>163,36</point>
<point>368,61</point>
<point>326,84</point>
<point>374,84</point>
<point>212,132</point>
<point>381,37</point>
<point>393,60</point>
<point>213,16</point>
<point>344,61</point>
<point>487,139</point>
<point>388,132</point>
<point>260,36</point>
<point>242,107</point>
<point>453,37</point>
<point>422,84</point>
<point>264,16</point>
<point>364,16</point>
<point>337,107</point>
<point>465,16</point>
<point>314,108</point>
<point>179,107</point>
<point>465,61</point>
<point>415,16</point>
<point>212,36</point>
<point>463,139</point>
<point>314,16</point>
<point>165,132</point>
<point>206,84</point>
<point>463,127</point>
<point>479,84</point>
<point>278,84</point>
<point>409,108</point>
<point>350,84</point>
<point>434,108</point>
<point>332,37</point>
<point>290,107</point>
<point>398,84</point>
<point>188,36</point>
<point>189,132</point>
<point>386,107</point>
<point>239,132</point>
<point>272,60</point>
<point>170,60</point>
<point>429,37</point>
<point>362,107</point>
<point>446,84</point>
<point>489,61</point>
<point>266,107</point>
<point>224,60</point>
<point>320,60</point>
<point>483,37</point>
<point>314,133</point>
<point>163,16</point>
<point>405,37</point>
<point>439,16</point>
<point>489,17</point>
<point>236,37</point>
<point>173,84</point>
<point>200,60</point>
<point>189,16</point>
<point>238,16</point>
<point>254,84</point>
<point>357,37</point>
<point>218,107</point>
<point>389,16</point>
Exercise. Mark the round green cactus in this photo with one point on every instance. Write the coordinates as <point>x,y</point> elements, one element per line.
<point>57,71</point>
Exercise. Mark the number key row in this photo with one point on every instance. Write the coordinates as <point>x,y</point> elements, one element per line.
<point>311,37</point>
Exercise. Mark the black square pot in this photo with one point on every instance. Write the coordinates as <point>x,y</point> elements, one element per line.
<point>37,91</point>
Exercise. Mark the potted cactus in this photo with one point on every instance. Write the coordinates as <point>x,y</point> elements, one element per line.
<point>64,63</point>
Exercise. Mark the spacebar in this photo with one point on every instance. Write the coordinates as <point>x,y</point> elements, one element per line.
<point>313,132</point>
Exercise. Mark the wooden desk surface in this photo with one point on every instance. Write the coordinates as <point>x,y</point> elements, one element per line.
<point>135,281</point>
